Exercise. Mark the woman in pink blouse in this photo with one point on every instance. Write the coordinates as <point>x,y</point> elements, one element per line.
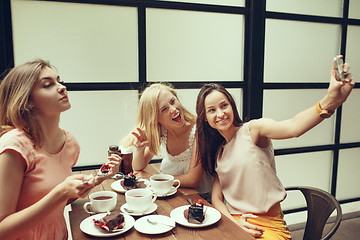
<point>241,157</point>
<point>36,156</point>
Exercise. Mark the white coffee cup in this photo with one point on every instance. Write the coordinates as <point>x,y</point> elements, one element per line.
<point>163,183</point>
<point>101,201</point>
<point>139,200</point>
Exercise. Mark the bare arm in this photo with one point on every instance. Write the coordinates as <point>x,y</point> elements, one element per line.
<point>192,178</point>
<point>141,159</point>
<point>13,223</point>
<point>264,129</point>
<point>142,156</point>
<point>217,198</point>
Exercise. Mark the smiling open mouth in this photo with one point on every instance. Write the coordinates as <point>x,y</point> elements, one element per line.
<point>177,118</point>
<point>222,121</point>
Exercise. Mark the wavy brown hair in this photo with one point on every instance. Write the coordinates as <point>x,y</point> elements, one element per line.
<point>209,139</point>
<point>15,96</point>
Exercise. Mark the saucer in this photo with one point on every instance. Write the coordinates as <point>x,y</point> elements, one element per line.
<point>151,209</point>
<point>164,224</point>
<point>170,193</point>
<point>118,185</point>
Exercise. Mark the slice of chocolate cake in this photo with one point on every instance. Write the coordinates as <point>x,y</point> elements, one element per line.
<point>195,212</point>
<point>130,181</point>
<point>111,222</point>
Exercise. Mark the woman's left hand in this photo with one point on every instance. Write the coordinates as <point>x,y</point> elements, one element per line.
<point>252,229</point>
<point>113,162</point>
<point>338,91</point>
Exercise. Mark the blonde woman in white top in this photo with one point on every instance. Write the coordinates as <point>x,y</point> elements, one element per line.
<point>165,128</point>
<point>241,157</point>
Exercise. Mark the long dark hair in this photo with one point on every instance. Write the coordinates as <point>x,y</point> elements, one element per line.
<point>209,139</point>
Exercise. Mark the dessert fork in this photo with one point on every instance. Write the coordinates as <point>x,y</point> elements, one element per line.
<point>101,174</point>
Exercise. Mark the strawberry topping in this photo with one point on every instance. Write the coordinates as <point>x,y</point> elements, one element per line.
<point>105,168</point>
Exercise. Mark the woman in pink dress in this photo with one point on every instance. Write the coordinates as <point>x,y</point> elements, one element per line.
<point>36,156</point>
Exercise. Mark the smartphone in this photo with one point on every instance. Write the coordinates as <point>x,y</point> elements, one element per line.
<point>339,74</point>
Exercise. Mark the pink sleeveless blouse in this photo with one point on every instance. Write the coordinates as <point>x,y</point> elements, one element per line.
<point>247,175</point>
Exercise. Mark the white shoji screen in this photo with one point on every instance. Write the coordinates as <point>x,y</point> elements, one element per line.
<point>194,46</point>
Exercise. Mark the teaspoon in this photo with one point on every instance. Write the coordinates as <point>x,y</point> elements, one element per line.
<point>155,222</point>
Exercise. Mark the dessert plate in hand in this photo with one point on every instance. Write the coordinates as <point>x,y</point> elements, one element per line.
<point>154,224</point>
<point>119,185</point>
<point>125,209</point>
<point>88,226</point>
<point>212,215</point>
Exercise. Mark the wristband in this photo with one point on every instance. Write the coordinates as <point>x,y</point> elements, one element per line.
<point>323,112</point>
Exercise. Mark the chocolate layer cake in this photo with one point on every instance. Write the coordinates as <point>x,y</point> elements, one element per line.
<point>111,222</point>
<point>195,212</point>
<point>130,181</point>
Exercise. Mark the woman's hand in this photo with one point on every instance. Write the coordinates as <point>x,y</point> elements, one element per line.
<point>142,141</point>
<point>338,91</point>
<point>142,174</point>
<point>253,230</point>
<point>77,186</point>
<point>113,163</point>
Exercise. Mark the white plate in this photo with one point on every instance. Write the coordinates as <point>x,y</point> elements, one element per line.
<point>143,226</point>
<point>119,188</point>
<point>88,226</point>
<point>212,215</point>
<point>171,192</point>
<point>151,209</point>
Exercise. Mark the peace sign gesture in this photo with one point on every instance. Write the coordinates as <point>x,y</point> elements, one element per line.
<point>142,141</point>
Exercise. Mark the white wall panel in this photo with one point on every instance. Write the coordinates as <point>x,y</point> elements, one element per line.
<point>87,43</point>
<point>284,104</point>
<point>194,46</point>
<point>99,119</point>
<point>299,51</point>
<point>348,178</point>
<point>350,130</point>
<point>354,9</point>
<point>237,3</point>
<point>353,50</point>
<point>305,169</point>
<point>311,7</point>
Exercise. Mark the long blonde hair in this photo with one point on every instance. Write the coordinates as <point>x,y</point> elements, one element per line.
<point>147,118</point>
<point>15,94</point>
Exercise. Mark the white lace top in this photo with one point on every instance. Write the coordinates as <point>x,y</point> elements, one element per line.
<point>179,164</point>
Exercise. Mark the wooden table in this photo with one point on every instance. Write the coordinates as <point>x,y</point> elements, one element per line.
<point>223,229</point>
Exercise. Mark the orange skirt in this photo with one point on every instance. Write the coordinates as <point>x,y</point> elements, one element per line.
<point>272,222</point>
